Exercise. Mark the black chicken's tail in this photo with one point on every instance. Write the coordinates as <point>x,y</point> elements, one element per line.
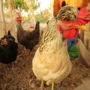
<point>9,36</point>
<point>9,33</point>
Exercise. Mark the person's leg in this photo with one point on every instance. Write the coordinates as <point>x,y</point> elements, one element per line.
<point>69,44</point>
<point>73,42</point>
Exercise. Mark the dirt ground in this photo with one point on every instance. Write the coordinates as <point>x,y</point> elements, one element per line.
<point>19,74</point>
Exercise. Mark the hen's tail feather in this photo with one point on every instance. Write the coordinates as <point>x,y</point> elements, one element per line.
<point>37,27</point>
<point>9,33</point>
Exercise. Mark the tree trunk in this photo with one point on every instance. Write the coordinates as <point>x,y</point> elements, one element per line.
<point>2,18</point>
<point>10,7</point>
<point>87,37</point>
<point>82,35</point>
<point>12,15</point>
<point>84,46</point>
<point>84,53</point>
<point>87,34</point>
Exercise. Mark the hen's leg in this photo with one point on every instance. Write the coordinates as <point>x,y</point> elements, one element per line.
<point>42,85</point>
<point>52,86</point>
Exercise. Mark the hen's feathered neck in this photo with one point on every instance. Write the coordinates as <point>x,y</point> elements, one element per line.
<point>50,34</point>
<point>19,26</point>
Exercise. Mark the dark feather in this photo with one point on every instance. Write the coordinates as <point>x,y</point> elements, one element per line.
<point>8,53</point>
<point>26,38</point>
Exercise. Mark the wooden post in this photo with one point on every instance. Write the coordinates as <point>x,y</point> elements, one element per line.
<point>2,16</point>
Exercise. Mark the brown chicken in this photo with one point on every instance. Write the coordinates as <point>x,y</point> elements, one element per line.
<point>27,38</point>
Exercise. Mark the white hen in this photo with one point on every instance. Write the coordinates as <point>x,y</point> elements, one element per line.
<point>51,62</point>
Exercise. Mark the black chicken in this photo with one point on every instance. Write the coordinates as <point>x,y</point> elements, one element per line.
<point>27,38</point>
<point>8,49</point>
